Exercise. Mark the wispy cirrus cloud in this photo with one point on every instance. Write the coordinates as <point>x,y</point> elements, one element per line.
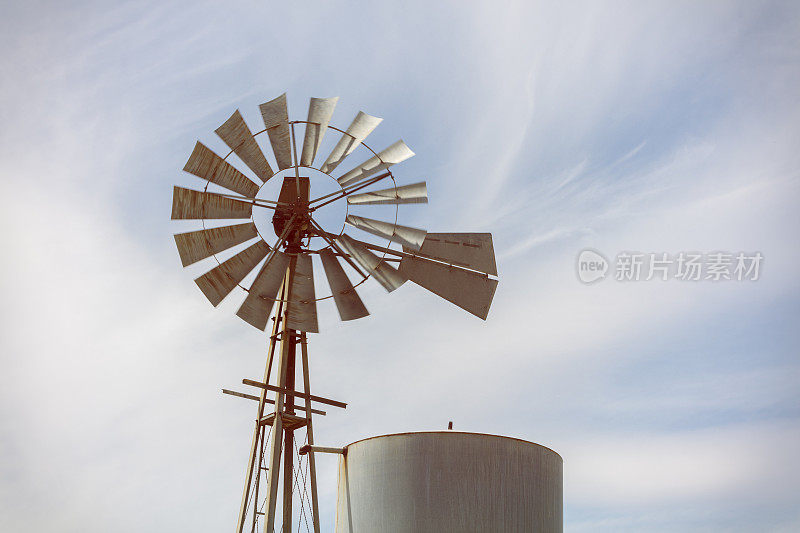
<point>616,126</point>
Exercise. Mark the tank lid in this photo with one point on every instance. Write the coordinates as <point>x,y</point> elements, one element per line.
<point>451,432</point>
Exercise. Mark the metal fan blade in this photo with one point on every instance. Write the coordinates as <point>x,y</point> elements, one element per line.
<point>469,290</point>
<point>217,283</point>
<point>320,111</point>
<point>347,301</point>
<point>302,313</point>
<point>470,250</point>
<point>411,237</point>
<point>205,164</point>
<point>191,204</point>
<point>361,126</point>
<point>256,308</point>
<point>416,193</point>
<point>196,245</point>
<point>387,157</point>
<point>276,120</point>
<point>384,274</point>
<point>240,139</point>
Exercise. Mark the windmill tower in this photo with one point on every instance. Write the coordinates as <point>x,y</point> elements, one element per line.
<point>455,266</point>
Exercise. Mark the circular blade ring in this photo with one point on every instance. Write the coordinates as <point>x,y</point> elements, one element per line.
<point>286,171</point>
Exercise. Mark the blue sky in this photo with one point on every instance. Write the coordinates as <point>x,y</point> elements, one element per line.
<point>657,127</point>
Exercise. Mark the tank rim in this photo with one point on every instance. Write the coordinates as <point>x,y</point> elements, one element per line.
<point>453,432</point>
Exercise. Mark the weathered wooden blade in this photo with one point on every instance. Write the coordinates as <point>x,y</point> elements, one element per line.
<point>205,164</point>
<point>387,157</point>
<point>302,313</point>
<point>196,245</point>
<point>256,308</point>
<point>191,204</point>
<point>217,283</point>
<point>384,274</point>
<point>240,139</point>
<point>469,290</point>
<point>320,111</point>
<point>469,250</point>
<point>347,301</point>
<point>276,120</point>
<point>411,237</point>
<point>416,193</point>
<point>361,126</point>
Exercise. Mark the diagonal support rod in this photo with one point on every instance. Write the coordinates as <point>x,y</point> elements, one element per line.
<point>348,190</point>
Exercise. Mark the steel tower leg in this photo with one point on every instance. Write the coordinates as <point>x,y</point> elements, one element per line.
<point>312,467</point>
<point>287,342</point>
<point>277,326</point>
<point>288,437</point>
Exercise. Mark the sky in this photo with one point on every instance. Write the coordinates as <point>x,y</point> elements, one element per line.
<point>652,127</point>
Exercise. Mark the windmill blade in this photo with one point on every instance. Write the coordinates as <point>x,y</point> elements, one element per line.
<point>240,139</point>
<point>384,274</point>
<point>416,193</point>
<point>191,204</point>
<point>410,237</point>
<point>302,313</point>
<point>256,308</point>
<point>196,245</point>
<point>347,301</point>
<point>470,250</point>
<point>217,283</point>
<point>276,120</point>
<point>469,290</point>
<point>387,157</point>
<point>320,111</point>
<point>358,130</point>
<point>205,164</point>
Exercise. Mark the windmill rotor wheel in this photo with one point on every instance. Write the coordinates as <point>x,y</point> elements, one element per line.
<point>455,266</point>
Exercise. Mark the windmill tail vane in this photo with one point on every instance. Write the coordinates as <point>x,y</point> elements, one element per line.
<point>458,267</point>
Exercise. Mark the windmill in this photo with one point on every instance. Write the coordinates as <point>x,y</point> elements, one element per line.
<point>455,266</point>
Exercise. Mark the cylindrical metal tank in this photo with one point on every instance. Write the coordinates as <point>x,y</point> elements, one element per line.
<point>449,481</point>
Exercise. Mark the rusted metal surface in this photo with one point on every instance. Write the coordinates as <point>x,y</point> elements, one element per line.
<point>416,193</point>
<point>302,314</point>
<point>470,250</point>
<point>449,481</point>
<point>240,139</point>
<point>272,402</point>
<point>254,464</point>
<point>196,245</point>
<point>410,237</point>
<point>312,464</point>
<point>320,111</point>
<point>290,421</point>
<point>289,392</point>
<point>276,120</point>
<point>256,308</point>
<point>294,193</point>
<point>348,303</point>
<point>204,163</point>
<point>384,274</point>
<point>319,449</point>
<point>191,204</point>
<point>387,157</point>
<point>217,283</point>
<point>358,130</point>
<point>469,290</point>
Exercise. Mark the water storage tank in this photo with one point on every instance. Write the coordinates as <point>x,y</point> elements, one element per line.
<point>448,481</point>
